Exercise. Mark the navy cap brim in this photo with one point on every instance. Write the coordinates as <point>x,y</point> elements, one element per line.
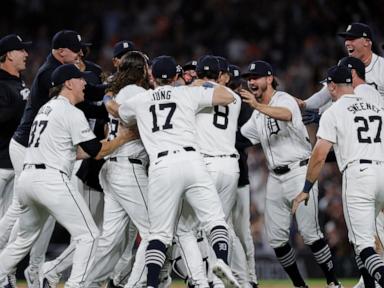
<point>249,74</point>
<point>349,35</point>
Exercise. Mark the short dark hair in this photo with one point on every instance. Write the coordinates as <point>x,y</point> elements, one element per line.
<point>209,74</point>
<point>131,71</point>
<point>3,58</point>
<point>162,82</point>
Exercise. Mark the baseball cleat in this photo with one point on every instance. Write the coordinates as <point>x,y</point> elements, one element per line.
<point>222,270</point>
<point>333,285</point>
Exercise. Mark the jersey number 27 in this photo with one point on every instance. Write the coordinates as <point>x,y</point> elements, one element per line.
<point>364,127</point>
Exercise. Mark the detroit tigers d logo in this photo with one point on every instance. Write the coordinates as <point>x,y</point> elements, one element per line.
<point>272,126</point>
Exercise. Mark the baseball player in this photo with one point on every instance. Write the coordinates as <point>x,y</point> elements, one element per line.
<point>59,135</point>
<point>358,40</point>
<point>356,139</point>
<point>166,120</point>
<point>189,72</point>
<point>66,46</point>
<point>216,135</point>
<point>277,125</point>
<point>124,179</point>
<point>13,96</point>
<point>121,48</point>
<point>241,210</point>
<point>85,172</point>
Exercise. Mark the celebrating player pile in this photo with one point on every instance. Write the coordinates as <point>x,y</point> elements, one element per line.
<point>168,174</point>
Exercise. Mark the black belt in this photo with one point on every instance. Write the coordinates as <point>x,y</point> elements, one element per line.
<point>365,161</point>
<point>224,155</point>
<point>40,166</point>
<point>133,161</point>
<point>165,153</point>
<point>280,170</point>
<point>36,166</point>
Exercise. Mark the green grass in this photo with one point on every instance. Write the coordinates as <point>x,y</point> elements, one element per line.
<point>312,283</point>
<point>347,283</point>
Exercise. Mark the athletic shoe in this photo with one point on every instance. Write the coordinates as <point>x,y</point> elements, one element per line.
<point>333,285</point>
<point>49,282</point>
<point>222,270</point>
<point>32,277</point>
<point>165,282</point>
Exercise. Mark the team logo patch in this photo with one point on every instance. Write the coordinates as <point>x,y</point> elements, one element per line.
<point>125,45</point>
<point>25,93</point>
<point>349,28</point>
<point>79,37</point>
<point>18,37</point>
<point>273,126</point>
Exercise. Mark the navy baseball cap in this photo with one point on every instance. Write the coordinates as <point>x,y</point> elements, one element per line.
<point>353,63</point>
<point>223,64</point>
<point>12,42</point>
<point>339,74</point>
<point>208,63</point>
<point>258,68</point>
<point>234,71</point>
<point>190,65</point>
<point>66,72</point>
<point>164,67</point>
<point>357,30</point>
<point>122,47</point>
<point>68,39</point>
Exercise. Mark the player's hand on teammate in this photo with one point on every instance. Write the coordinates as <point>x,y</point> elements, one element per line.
<point>299,198</point>
<point>249,98</point>
<point>310,116</point>
<point>300,102</point>
<point>128,133</point>
<point>198,82</point>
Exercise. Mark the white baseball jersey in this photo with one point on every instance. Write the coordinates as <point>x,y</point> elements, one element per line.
<point>369,93</point>
<point>135,148</point>
<point>361,141</point>
<point>57,129</point>
<point>374,76</point>
<point>166,116</point>
<point>374,73</point>
<point>276,136</point>
<point>217,126</point>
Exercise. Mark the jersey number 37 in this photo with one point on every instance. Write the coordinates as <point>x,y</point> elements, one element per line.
<point>37,129</point>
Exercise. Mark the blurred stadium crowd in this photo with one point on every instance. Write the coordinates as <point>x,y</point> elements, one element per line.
<point>297,36</point>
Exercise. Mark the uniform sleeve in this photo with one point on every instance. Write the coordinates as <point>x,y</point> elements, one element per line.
<point>79,128</point>
<point>287,101</point>
<point>249,130</point>
<point>202,96</point>
<point>127,113</point>
<point>318,99</point>
<point>327,127</point>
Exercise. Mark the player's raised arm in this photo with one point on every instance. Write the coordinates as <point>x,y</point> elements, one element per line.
<point>278,113</point>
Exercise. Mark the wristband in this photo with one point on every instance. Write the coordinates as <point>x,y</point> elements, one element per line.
<point>307,186</point>
<point>106,99</point>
